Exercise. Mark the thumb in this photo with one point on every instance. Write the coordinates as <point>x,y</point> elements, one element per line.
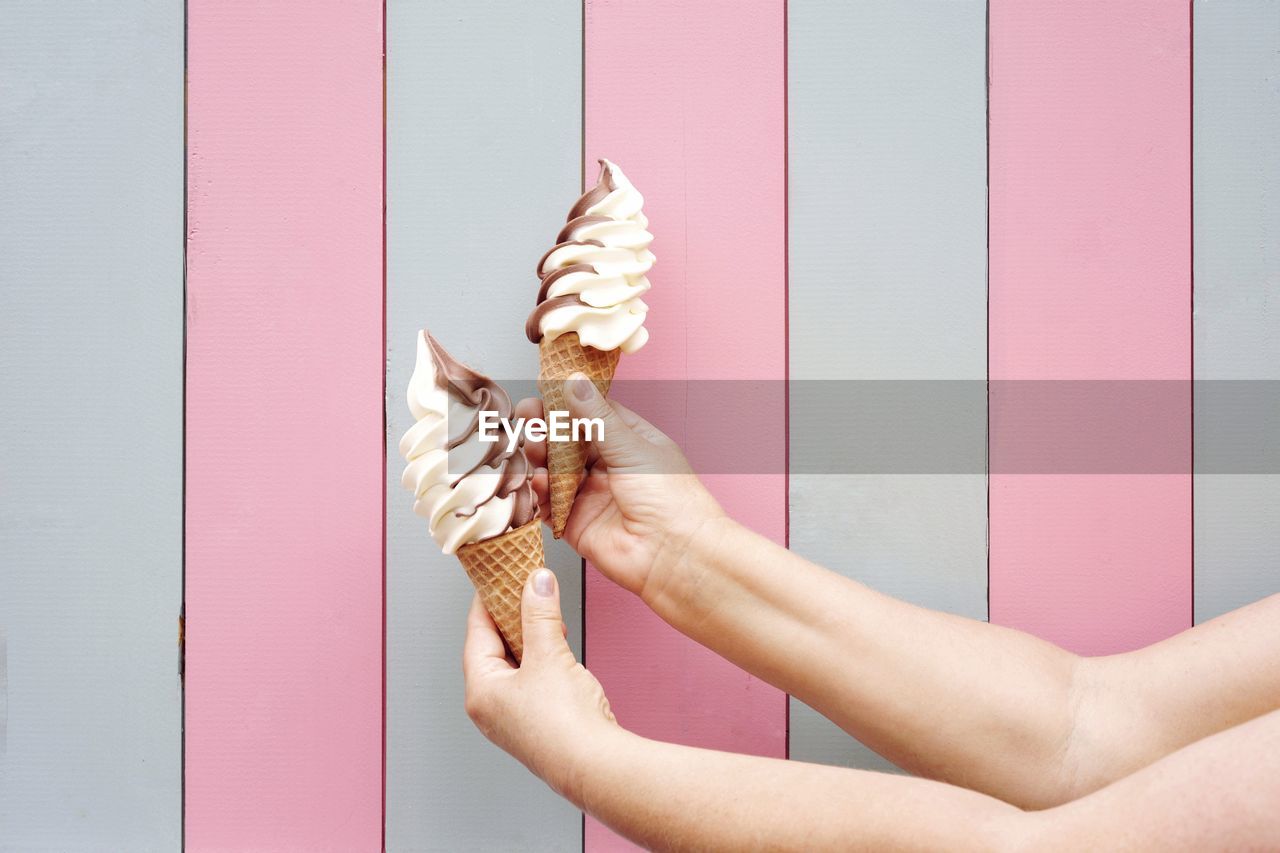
<point>540,617</point>
<point>619,446</point>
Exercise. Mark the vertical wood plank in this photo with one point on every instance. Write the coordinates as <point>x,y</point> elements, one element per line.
<point>1237,281</point>
<point>483,158</point>
<point>91,438</point>
<point>1090,280</point>
<point>695,116</point>
<point>887,282</point>
<point>284,426</point>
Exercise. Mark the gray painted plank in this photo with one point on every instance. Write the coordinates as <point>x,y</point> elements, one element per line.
<point>91,212</point>
<point>1237,286</point>
<point>887,281</point>
<point>484,157</point>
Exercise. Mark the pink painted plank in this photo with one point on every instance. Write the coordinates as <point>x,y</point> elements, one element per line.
<point>284,426</point>
<point>1090,279</point>
<point>696,117</point>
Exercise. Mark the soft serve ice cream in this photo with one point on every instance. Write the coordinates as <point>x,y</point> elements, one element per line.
<point>468,490</point>
<point>593,277</point>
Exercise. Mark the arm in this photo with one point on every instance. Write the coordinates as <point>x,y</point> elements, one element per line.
<point>552,716</point>
<point>946,697</point>
<point>1218,794</point>
<point>982,706</point>
<point>669,797</point>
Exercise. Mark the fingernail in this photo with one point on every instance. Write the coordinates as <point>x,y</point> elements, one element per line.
<point>544,583</point>
<point>581,386</point>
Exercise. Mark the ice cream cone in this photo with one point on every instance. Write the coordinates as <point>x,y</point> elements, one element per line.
<point>499,568</point>
<point>566,460</point>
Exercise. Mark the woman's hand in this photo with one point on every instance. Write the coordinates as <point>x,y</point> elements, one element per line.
<point>640,503</point>
<point>550,713</point>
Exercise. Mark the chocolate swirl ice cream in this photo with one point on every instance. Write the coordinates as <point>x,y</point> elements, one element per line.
<point>467,489</point>
<point>593,277</point>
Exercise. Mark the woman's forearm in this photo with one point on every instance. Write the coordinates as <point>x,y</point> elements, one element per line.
<point>974,704</point>
<point>1218,793</point>
<point>946,697</point>
<point>670,797</point>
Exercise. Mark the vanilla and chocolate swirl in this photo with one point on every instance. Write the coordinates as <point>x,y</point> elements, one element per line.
<point>593,277</point>
<point>468,490</point>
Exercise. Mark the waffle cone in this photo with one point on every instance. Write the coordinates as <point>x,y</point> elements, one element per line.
<point>499,568</point>
<point>567,460</point>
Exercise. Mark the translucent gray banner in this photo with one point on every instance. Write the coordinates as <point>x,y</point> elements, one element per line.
<point>962,427</point>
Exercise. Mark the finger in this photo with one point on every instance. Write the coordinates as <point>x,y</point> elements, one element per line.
<point>620,445</point>
<point>594,497</point>
<point>540,618</point>
<point>541,487</point>
<point>543,495</point>
<point>531,407</point>
<point>483,649</point>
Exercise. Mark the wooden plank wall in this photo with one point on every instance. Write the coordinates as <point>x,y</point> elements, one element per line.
<point>483,162</point>
<point>1090,281</point>
<point>91,437</point>
<point>1237,302</point>
<point>284,584</point>
<point>816,177</point>
<point>888,289</point>
<point>695,115</point>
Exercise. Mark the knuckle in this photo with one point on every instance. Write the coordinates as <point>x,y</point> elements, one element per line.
<point>543,613</point>
<point>476,707</point>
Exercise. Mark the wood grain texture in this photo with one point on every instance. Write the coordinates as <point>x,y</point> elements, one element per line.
<point>887,282</point>
<point>1237,289</point>
<point>693,112</point>
<point>91,438</point>
<point>1090,280</point>
<point>483,157</point>
<point>284,426</point>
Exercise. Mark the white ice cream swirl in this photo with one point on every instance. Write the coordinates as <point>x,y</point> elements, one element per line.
<point>593,277</point>
<point>468,490</point>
